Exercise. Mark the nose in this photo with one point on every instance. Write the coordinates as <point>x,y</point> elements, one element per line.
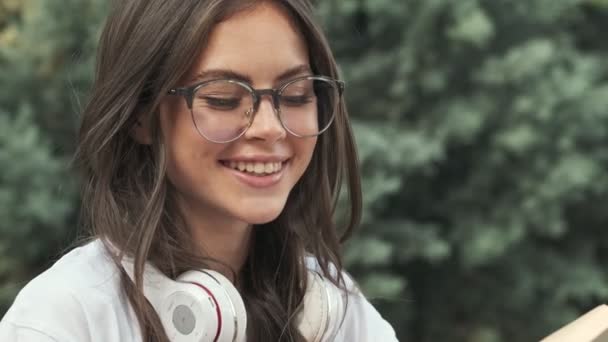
<point>266,125</point>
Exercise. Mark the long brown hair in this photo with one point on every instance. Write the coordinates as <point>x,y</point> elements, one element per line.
<point>145,48</point>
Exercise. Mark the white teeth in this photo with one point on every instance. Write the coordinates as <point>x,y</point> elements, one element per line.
<point>259,168</point>
<point>269,167</point>
<point>255,167</point>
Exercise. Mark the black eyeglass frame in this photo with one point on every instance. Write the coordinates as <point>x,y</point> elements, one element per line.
<point>257,94</point>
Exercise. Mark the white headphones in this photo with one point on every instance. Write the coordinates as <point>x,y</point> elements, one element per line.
<point>204,306</point>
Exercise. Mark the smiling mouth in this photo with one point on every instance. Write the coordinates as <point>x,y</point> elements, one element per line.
<point>255,168</point>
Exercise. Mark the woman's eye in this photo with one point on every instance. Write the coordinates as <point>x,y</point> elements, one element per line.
<point>220,103</point>
<point>296,100</point>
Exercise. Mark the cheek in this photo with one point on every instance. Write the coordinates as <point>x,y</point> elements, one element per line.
<point>310,147</point>
<point>188,154</point>
<point>174,120</point>
<point>305,149</point>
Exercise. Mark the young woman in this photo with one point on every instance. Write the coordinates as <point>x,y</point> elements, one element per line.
<point>215,138</point>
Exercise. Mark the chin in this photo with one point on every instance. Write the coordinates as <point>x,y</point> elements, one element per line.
<point>259,210</point>
<point>262,218</point>
<point>261,214</point>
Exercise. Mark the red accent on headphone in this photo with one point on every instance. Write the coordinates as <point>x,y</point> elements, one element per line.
<point>217,310</point>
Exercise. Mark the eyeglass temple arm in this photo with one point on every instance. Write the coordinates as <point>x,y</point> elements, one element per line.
<point>341,86</point>
<point>178,91</point>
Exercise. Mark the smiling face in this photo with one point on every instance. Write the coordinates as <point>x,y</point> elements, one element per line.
<point>246,181</point>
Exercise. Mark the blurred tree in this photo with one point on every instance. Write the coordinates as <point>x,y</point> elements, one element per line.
<point>482,128</point>
<point>45,62</point>
<point>35,201</point>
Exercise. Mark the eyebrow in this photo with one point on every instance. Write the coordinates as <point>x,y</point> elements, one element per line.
<point>231,74</point>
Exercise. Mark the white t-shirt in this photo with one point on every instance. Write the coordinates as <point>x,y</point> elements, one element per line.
<point>79,299</point>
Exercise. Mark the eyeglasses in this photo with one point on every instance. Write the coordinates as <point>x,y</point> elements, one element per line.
<point>222,110</point>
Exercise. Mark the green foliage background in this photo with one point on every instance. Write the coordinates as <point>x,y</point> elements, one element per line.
<point>482,127</point>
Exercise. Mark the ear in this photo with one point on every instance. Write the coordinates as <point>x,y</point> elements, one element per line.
<point>141,130</point>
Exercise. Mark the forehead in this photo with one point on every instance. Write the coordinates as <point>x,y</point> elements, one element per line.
<point>260,43</point>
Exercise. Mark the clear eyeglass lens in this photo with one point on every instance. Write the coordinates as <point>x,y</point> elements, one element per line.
<point>221,110</point>
<point>308,106</point>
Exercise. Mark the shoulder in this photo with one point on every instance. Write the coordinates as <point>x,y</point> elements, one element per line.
<point>79,295</point>
<point>360,321</point>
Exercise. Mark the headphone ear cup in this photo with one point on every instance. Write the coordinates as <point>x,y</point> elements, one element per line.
<point>314,318</point>
<point>228,305</point>
<point>186,314</point>
<point>179,306</point>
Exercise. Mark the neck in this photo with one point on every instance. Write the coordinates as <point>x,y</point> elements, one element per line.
<point>230,246</point>
<point>219,238</point>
